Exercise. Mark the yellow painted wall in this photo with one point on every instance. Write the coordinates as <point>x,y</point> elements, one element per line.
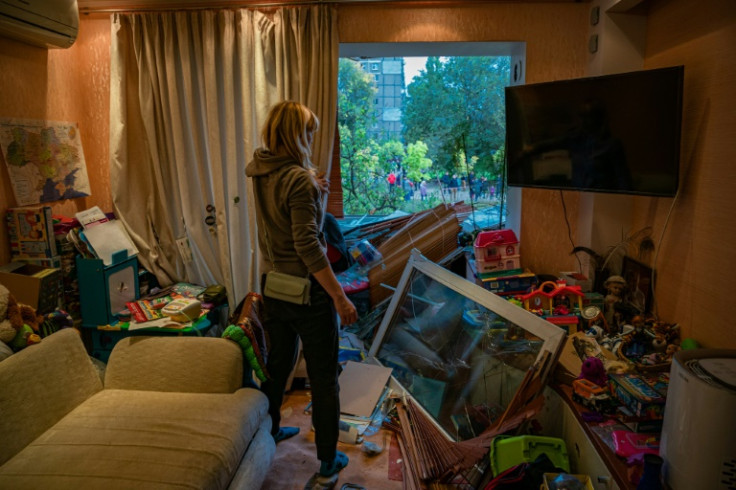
<point>695,263</point>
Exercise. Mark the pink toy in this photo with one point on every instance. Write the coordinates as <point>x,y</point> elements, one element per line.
<point>594,371</point>
<point>629,443</point>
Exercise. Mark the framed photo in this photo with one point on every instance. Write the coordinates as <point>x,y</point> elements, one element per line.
<point>639,279</point>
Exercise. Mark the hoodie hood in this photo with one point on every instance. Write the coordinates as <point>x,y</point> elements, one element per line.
<point>264,162</point>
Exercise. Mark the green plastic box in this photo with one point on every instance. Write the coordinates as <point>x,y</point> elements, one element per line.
<point>508,451</point>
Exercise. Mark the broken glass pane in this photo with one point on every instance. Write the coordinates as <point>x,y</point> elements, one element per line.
<point>460,351</point>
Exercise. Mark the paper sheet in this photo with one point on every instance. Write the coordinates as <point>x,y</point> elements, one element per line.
<point>159,323</point>
<point>108,238</point>
<point>361,388</point>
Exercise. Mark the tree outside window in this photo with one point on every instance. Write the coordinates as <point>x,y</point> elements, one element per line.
<point>452,122</point>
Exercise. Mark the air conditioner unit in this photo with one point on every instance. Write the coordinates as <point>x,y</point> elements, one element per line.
<point>699,428</point>
<point>45,23</point>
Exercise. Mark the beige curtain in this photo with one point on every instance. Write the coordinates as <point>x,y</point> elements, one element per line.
<point>189,93</point>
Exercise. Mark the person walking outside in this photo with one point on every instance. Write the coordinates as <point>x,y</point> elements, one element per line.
<point>288,199</point>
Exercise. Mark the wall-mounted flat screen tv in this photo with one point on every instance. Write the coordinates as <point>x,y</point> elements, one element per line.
<point>613,133</point>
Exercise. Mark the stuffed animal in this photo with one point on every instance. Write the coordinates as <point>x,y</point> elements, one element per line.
<point>29,317</point>
<point>238,334</point>
<point>7,330</point>
<point>23,322</point>
<point>593,371</point>
<point>54,321</point>
<point>25,337</point>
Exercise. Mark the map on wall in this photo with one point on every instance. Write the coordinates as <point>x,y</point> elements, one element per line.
<point>45,160</point>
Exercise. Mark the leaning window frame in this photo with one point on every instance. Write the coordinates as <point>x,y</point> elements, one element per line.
<point>552,336</point>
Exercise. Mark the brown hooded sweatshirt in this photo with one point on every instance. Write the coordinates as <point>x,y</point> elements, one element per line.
<point>289,206</point>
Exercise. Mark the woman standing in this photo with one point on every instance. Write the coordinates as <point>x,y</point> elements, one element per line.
<point>289,207</point>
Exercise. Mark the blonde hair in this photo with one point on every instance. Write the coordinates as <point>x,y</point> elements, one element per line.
<point>289,129</point>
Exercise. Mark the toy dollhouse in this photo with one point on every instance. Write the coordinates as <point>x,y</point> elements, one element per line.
<point>557,303</point>
<point>497,250</point>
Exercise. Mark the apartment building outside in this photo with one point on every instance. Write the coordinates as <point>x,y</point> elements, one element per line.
<point>388,74</point>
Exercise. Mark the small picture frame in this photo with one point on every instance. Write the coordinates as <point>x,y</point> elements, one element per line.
<point>639,278</point>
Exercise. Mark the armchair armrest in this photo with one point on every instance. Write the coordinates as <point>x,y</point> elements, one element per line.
<point>180,364</point>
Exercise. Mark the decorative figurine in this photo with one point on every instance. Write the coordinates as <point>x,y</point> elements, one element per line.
<point>615,288</point>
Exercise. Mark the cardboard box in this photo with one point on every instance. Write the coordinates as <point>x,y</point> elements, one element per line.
<point>577,347</point>
<point>49,263</point>
<point>33,285</point>
<point>638,395</point>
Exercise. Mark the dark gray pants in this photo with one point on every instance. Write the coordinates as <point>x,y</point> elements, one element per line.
<point>316,325</point>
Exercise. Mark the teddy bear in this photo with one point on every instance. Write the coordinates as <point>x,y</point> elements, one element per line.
<point>7,330</point>
<point>23,321</point>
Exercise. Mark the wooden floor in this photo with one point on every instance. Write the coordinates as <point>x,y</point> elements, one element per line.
<point>296,458</point>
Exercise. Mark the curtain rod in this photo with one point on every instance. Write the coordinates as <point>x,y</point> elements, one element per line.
<point>86,9</point>
<point>184,6</point>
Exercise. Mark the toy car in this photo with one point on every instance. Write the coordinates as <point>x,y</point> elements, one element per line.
<point>591,395</point>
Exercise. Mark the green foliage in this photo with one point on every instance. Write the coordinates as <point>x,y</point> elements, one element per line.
<point>355,92</point>
<point>416,163</point>
<point>453,120</point>
<point>457,104</point>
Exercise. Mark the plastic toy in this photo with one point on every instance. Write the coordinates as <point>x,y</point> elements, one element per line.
<point>554,298</point>
<point>671,350</point>
<point>688,344</point>
<point>627,443</point>
<point>591,395</point>
<point>365,255</point>
<point>596,332</point>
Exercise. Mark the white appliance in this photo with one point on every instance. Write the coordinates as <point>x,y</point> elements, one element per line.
<point>44,23</point>
<point>699,428</point>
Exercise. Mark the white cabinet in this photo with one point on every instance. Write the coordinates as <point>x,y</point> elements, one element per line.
<point>558,420</point>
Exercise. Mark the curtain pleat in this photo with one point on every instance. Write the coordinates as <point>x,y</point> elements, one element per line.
<point>189,93</point>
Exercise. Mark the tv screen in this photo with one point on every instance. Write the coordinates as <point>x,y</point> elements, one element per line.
<point>613,133</point>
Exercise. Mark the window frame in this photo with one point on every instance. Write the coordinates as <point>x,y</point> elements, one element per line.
<point>516,50</point>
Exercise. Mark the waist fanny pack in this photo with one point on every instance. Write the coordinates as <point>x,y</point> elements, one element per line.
<point>286,287</point>
<point>281,286</point>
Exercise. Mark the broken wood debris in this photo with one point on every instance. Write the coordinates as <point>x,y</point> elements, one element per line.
<point>433,232</point>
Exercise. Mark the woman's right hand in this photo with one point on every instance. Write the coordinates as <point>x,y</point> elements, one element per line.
<point>346,309</point>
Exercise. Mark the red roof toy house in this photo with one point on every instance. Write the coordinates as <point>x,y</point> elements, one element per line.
<point>557,302</point>
<point>569,297</point>
<point>537,301</point>
<point>497,250</point>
